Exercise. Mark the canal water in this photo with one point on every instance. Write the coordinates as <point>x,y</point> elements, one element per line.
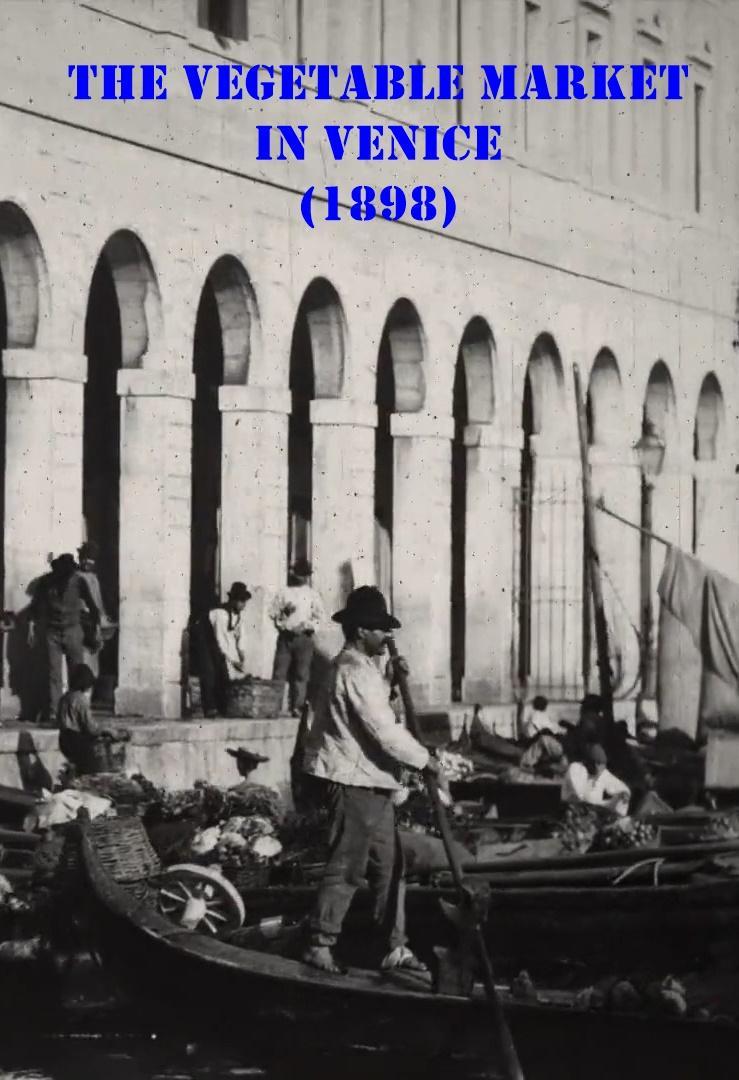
<point>122,1056</point>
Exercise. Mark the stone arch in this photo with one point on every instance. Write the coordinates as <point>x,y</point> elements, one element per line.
<point>226,327</point>
<point>400,386</point>
<point>24,284</point>
<point>605,402</point>
<point>543,388</point>
<point>477,360</point>
<point>123,326</point>
<point>137,293</point>
<point>317,356</point>
<point>238,316</point>
<point>323,313</point>
<point>659,414</point>
<point>473,402</point>
<point>403,344</point>
<point>709,420</point>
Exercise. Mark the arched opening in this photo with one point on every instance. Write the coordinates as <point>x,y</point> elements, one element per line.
<point>472,402</point>
<point>658,417</point>
<point>123,318</point>
<point>540,416</point>
<point>707,435</point>
<point>222,345</point>
<point>399,387</point>
<point>24,303</point>
<point>316,371</point>
<point>657,431</point>
<point>604,404</point>
<point>709,419</point>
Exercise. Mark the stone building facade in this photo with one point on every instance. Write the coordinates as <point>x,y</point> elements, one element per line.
<point>204,386</point>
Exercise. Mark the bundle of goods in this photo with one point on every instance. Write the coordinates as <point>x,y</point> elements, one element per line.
<point>579,827</point>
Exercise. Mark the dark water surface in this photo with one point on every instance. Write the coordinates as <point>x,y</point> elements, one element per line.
<point>135,1056</point>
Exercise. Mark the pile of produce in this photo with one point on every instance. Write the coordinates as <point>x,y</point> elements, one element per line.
<point>238,842</point>
<point>625,833</point>
<point>591,828</point>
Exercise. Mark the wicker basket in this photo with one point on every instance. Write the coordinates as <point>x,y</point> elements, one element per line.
<point>254,699</point>
<point>123,848</point>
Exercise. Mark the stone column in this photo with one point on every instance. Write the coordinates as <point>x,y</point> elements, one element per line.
<point>43,482</point>
<point>254,505</point>
<point>493,471</point>
<point>616,476</point>
<point>556,572</point>
<point>155,500</point>
<point>422,549</point>
<point>343,503</point>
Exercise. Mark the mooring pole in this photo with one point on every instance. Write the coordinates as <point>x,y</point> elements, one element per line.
<point>593,561</point>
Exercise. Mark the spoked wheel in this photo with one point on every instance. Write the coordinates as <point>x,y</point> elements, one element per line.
<point>200,898</point>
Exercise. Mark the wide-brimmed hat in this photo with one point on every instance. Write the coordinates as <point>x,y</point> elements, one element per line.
<point>64,564</point>
<point>366,608</point>
<point>239,591</point>
<point>242,754</point>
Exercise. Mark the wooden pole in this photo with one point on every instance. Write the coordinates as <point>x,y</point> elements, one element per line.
<point>600,505</point>
<point>591,554</point>
<point>508,1056</point>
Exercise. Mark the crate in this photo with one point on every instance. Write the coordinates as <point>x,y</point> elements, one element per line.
<point>252,699</point>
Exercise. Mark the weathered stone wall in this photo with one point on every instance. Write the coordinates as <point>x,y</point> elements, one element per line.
<point>543,242</point>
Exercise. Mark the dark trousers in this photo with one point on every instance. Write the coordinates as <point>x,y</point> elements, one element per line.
<point>364,844</point>
<point>210,667</point>
<point>69,644</point>
<point>293,658</point>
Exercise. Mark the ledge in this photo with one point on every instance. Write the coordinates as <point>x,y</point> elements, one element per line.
<point>44,364</point>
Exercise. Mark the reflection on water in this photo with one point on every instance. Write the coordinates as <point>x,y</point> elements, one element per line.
<point>136,1057</point>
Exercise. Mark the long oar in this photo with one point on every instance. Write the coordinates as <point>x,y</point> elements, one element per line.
<point>509,1057</point>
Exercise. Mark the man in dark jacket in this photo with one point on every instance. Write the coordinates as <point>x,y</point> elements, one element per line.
<point>60,603</point>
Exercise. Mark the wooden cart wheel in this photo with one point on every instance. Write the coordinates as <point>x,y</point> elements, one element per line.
<point>200,898</point>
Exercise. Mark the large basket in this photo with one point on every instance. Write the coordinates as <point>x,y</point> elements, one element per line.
<point>107,756</point>
<point>123,848</point>
<point>254,699</point>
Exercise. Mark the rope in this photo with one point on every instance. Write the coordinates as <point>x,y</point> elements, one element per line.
<point>656,863</point>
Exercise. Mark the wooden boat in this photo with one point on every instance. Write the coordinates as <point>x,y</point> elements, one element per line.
<point>203,982</point>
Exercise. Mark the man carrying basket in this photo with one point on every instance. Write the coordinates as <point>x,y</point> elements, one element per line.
<point>220,640</point>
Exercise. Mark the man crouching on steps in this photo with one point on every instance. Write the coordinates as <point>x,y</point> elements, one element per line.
<point>357,747</point>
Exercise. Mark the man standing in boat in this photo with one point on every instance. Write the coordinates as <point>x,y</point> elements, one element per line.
<point>358,749</point>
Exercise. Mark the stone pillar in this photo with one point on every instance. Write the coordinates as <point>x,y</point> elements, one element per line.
<point>43,481</point>
<point>343,503</point>
<point>556,572</point>
<point>254,505</point>
<point>616,476</point>
<point>155,494</point>
<point>491,530</point>
<point>422,549</point>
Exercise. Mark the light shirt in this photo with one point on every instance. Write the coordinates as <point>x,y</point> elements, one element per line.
<point>356,738</point>
<point>604,790</point>
<point>535,721</point>
<point>297,608</point>
<point>229,630</point>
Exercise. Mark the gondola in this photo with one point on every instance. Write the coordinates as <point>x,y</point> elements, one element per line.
<point>201,981</point>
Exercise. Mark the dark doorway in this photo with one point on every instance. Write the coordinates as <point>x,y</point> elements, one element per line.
<point>384,469</point>
<point>3,407</point>
<point>458,518</point>
<point>205,577</point>
<point>101,450</point>
<point>300,441</point>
